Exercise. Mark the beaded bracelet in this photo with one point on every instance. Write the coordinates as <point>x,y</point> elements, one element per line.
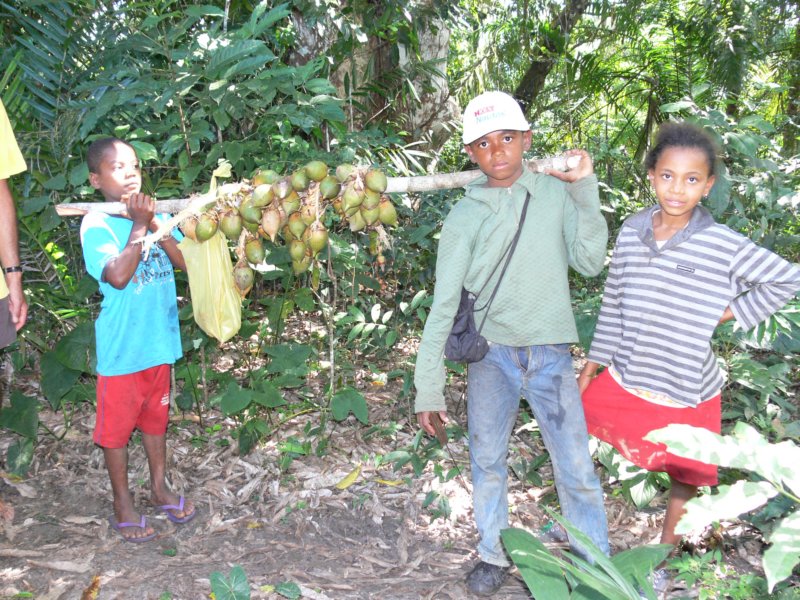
<point>14,269</point>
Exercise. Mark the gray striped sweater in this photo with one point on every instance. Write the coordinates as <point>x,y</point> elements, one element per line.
<point>661,306</point>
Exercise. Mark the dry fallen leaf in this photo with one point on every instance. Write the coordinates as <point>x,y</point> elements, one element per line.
<point>65,565</point>
<point>79,520</point>
<point>90,593</point>
<point>350,479</point>
<point>24,490</point>
<point>391,482</point>
<point>6,512</point>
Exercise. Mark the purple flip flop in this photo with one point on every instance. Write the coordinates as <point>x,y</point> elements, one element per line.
<point>118,527</point>
<point>166,508</point>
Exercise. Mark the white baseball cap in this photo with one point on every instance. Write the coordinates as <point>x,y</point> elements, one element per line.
<point>492,111</point>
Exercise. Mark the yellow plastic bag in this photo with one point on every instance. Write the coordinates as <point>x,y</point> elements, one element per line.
<point>216,303</point>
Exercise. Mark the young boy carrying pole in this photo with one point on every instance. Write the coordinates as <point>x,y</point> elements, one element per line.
<point>137,331</point>
<point>529,325</point>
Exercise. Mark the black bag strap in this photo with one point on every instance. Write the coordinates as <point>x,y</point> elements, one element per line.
<point>510,252</point>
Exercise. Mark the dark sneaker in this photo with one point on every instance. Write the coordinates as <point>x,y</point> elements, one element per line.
<point>485,579</point>
<point>661,583</point>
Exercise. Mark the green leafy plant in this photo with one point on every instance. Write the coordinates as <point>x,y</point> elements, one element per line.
<point>776,476</point>
<point>712,578</point>
<point>438,504</point>
<point>21,417</point>
<point>291,449</point>
<point>638,485</point>
<point>288,589</point>
<point>555,577</point>
<point>349,400</point>
<point>232,587</point>
<point>423,450</point>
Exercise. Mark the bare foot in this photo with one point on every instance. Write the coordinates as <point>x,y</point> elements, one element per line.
<point>131,525</point>
<point>177,508</point>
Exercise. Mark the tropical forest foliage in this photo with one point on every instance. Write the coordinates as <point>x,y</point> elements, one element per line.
<point>276,84</point>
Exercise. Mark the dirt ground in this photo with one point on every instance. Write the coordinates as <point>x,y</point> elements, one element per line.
<point>372,540</point>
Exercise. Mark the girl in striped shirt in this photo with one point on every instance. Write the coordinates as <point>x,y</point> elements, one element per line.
<point>674,276</point>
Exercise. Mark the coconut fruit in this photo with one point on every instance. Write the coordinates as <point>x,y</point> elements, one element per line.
<point>308,213</point>
<point>296,225</point>
<point>262,195</point>
<point>317,237</point>
<point>250,213</point>
<point>387,212</point>
<point>370,214</point>
<point>282,187</point>
<point>243,278</point>
<point>300,180</point>
<point>356,221</point>
<point>352,198</point>
<point>206,227</point>
<point>329,187</point>
<point>344,171</point>
<point>188,228</point>
<point>316,170</point>
<point>376,180</point>
<point>231,225</point>
<point>291,203</point>
<point>371,199</point>
<point>254,251</point>
<point>264,176</point>
<point>297,249</point>
<point>301,266</point>
<point>287,234</point>
<point>272,221</point>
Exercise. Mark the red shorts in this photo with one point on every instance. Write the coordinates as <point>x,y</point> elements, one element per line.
<point>136,401</point>
<point>622,419</point>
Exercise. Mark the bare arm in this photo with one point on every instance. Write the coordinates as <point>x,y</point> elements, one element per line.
<point>9,256</point>
<point>726,316</point>
<point>170,246</point>
<point>120,269</point>
<point>587,374</point>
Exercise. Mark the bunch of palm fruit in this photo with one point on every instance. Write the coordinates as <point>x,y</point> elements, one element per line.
<point>291,207</point>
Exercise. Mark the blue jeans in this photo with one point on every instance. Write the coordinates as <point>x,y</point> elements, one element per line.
<point>545,376</point>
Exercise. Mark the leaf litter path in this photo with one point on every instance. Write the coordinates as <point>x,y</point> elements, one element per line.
<point>372,540</point>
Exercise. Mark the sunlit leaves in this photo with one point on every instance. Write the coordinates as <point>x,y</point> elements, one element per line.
<point>232,587</point>
<point>349,400</point>
<point>744,449</point>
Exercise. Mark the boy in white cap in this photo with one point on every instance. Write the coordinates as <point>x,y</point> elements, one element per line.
<point>529,325</point>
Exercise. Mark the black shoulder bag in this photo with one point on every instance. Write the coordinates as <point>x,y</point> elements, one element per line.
<point>465,342</point>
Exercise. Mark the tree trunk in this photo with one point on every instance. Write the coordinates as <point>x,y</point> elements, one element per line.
<point>533,80</point>
<point>380,68</point>
<point>791,130</point>
<point>435,107</point>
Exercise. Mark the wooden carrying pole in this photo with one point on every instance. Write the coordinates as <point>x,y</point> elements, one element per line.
<point>395,185</point>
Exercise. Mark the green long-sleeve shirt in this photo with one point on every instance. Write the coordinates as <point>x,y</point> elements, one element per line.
<point>563,227</point>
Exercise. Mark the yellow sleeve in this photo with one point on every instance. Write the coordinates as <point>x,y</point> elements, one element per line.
<point>11,161</point>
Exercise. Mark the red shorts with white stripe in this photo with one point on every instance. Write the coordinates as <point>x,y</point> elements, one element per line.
<point>135,401</point>
<point>622,419</point>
